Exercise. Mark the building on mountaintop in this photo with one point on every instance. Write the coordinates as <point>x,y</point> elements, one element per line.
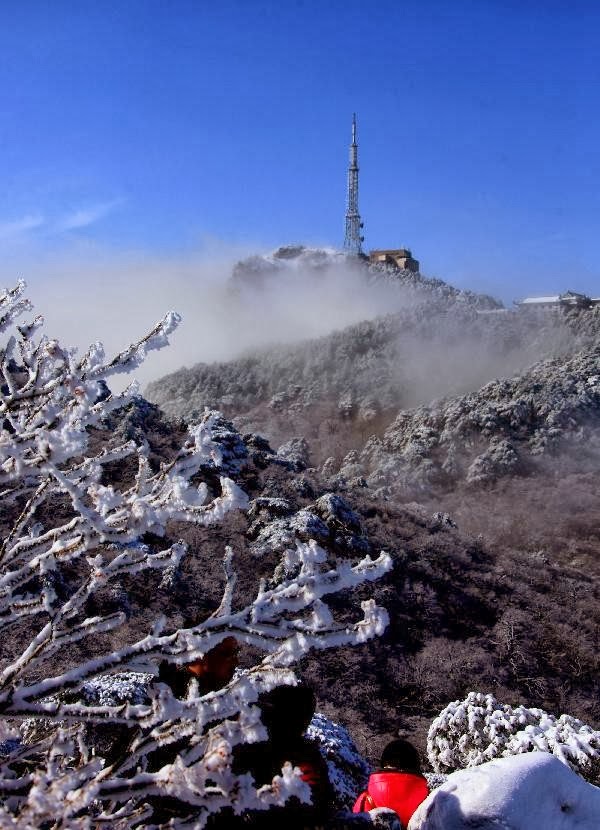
<point>558,302</point>
<point>400,257</point>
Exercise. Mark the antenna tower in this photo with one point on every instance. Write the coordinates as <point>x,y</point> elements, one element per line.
<point>353,239</point>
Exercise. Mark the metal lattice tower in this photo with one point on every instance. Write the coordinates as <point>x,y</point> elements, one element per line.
<point>353,239</point>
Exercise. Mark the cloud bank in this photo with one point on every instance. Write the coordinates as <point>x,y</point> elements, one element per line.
<point>91,294</point>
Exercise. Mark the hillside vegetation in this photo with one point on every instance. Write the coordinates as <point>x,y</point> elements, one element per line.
<point>464,438</point>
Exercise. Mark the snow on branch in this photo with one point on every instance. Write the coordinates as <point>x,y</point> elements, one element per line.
<point>67,532</point>
<point>478,729</point>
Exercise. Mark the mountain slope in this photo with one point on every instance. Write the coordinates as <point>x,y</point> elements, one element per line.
<point>464,440</point>
<point>464,614</point>
<point>505,427</point>
<point>337,389</point>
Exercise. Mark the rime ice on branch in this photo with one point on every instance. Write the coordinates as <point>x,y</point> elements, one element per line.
<point>49,399</point>
<point>478,729</point>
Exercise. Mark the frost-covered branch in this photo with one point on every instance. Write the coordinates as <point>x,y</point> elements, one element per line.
<point>68,532</point>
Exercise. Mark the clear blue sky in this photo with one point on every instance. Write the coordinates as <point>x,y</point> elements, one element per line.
<point>154,125</point>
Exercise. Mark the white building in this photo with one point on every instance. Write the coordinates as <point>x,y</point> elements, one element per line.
<point>570,299</point>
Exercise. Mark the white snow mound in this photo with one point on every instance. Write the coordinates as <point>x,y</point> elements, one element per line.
<point>534,791</point>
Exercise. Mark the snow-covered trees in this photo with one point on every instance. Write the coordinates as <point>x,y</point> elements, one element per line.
<point>478,729</point>
<point>67,532</point>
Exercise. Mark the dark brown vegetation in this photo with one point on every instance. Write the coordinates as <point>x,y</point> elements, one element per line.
<point>468,610</point>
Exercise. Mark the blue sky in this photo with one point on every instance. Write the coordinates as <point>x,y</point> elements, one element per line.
<point>169,127</point>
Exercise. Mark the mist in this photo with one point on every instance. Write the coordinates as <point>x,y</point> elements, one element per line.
<point>97,295</point>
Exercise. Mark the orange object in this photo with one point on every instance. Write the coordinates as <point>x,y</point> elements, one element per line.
<point>218,665</point>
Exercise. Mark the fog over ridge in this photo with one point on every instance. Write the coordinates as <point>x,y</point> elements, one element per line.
<point>439,345</point>
<point>94,295</point>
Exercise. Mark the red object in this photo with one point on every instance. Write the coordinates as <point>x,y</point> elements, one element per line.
<point>310,775</point>
<point>400,791</point>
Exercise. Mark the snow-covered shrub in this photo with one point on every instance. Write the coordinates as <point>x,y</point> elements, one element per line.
<point>68,533</point>
<point>475,730</point>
